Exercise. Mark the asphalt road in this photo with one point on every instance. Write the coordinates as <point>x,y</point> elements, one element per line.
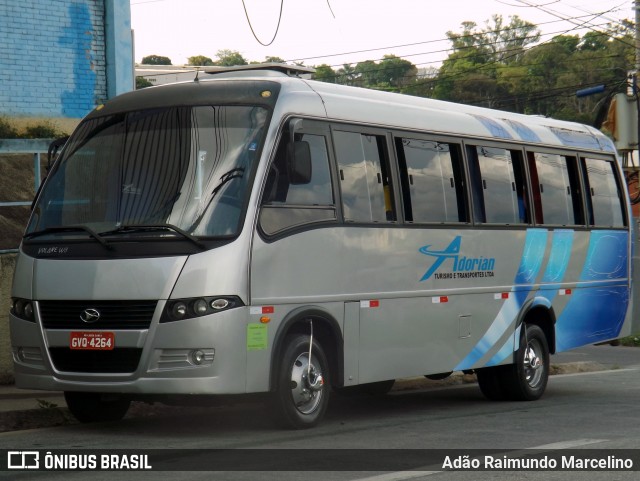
<point>593,411</point>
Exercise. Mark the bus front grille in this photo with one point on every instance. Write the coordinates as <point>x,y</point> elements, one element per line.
<point>112,314</point>
<point>119,360</point>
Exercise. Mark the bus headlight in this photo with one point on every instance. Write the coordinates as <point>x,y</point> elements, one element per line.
<point>180,309</point>
<point>23,309</point>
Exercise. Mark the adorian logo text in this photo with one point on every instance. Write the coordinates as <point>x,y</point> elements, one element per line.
<point>460,266</point>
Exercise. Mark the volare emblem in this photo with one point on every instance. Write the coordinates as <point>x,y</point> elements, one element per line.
<point>90,316</point>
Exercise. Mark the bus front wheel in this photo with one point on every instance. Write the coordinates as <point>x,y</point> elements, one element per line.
<point>302,394</point>
<point>91,407</point>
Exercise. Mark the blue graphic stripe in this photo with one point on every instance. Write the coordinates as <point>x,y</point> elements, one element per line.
<point>530,265</point>
<point>561,244</point>
<point>523,131</point>
<point>506,350</point>
<point>596,312</point>
<point>493,127</point>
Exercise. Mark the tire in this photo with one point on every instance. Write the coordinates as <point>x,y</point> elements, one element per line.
<point>526,379</point>
<point>92,407</point>
<point>300,401</point>
<point>439,376</point>
<point>490,380</point>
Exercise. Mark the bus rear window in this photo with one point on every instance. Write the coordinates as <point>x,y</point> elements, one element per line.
<point>604,197</point>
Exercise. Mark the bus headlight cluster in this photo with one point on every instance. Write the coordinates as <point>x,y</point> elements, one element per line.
<point>23,309</point>
<point>181,309</point>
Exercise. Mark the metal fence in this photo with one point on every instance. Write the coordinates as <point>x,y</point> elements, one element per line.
<point>36,147</point>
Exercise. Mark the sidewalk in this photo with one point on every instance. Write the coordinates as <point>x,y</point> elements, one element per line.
<point>14,399</point>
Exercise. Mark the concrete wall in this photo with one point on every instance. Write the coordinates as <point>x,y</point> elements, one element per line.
<point>53,56</point>
<point>7,266</point>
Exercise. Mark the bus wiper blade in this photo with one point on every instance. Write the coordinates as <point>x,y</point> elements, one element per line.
<point>152,227</point>
<point>236,173</point>
<point>70,228</point>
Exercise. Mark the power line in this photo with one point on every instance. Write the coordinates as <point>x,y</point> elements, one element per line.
<point>578,17</point>
<point>275,34</point>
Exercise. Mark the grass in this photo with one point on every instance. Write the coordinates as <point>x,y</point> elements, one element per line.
<point>630,341</point>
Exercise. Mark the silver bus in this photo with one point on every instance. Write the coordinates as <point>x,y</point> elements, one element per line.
<point>258,232</point>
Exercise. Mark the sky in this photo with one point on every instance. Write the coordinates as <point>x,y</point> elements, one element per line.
<point>335,32</point>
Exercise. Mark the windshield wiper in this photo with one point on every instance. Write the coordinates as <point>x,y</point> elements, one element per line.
<point>70,228</point>
<point>235,173</point>
<point>130,228</point>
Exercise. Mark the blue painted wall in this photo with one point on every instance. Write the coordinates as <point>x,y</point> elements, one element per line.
<point>53,56</point>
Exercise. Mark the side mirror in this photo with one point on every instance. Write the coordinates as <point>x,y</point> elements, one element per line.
<point>299,163</point>
<point>54,147</point>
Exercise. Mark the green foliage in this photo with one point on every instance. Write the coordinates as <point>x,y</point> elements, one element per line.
<point>44,404</point>
<point>200,60</point>
<point>274,60</point>
<point>325,73</point>
<point>7,131</point>
<point>156,60</point>
<point>142,83</point>
<point>45,130</point>
<point>42,130</point>
<point>630,341</point>
<point>229,58</point>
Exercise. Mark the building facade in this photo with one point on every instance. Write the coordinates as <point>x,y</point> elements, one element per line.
<point>61,58</point>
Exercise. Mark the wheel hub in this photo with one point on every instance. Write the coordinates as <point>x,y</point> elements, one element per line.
<point>307,384</point>
<point>533,365</point>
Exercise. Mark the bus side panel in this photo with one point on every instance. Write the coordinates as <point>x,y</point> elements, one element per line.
<point>597,309</point>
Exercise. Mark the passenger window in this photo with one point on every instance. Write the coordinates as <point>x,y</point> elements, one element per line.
<point>498,186</point>
<point>432,181</point>
<point>604,198</point>
<point>364,177</point>
<point>556,191</point>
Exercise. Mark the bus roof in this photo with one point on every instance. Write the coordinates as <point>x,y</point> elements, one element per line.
<point>298,96</point>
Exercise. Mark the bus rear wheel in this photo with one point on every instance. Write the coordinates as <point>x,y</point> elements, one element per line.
<point>526,379</point>
<point>302,393</point>
<point>92,407</point>
<point>491,383</point>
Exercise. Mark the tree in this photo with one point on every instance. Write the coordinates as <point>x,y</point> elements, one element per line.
<point>199,60</point>
<point>395,71</point>
<point>229,58</point>
<point>346,75</point>
<point>480,69</point>
<point>594,41</point>
<point>274,60</point>
<point>142,83</point>
<point>325,73</point>
<point>156,60</point>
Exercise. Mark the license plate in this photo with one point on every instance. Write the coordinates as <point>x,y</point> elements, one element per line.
<point>93,341</point>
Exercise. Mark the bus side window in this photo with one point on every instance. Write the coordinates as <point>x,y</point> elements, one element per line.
<point>498,186</point>
<point>432,182</point>
<point>556,191</point>
<point>603,193</point>
<point>365,180</point>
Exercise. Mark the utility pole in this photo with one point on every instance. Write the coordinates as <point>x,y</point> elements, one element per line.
<point>636,7</point>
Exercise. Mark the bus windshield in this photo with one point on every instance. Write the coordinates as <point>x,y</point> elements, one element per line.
<point>184,167</point>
